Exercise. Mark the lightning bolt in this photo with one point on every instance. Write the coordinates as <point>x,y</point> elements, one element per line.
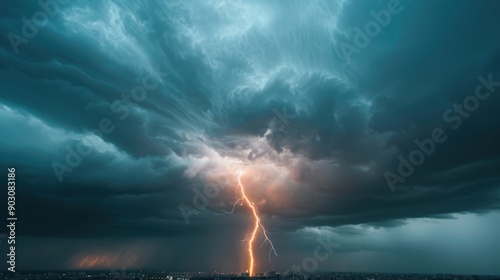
<point>257,225</point>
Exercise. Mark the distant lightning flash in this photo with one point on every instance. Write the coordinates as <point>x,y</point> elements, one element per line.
<point>256,227</point>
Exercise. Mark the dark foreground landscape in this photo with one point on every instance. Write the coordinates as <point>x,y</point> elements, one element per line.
<point>291,275</point>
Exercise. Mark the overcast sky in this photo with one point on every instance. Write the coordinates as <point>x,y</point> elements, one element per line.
<point>116,114</point>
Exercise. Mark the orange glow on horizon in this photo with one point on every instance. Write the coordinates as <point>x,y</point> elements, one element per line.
<point>105,260</point>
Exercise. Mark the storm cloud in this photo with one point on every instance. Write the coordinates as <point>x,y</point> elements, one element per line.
<point>115,113</point>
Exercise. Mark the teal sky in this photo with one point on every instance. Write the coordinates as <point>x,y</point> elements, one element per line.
<point>372,123</point>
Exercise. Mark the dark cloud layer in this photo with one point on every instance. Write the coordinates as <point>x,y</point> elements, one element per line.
<point>188,87</point>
